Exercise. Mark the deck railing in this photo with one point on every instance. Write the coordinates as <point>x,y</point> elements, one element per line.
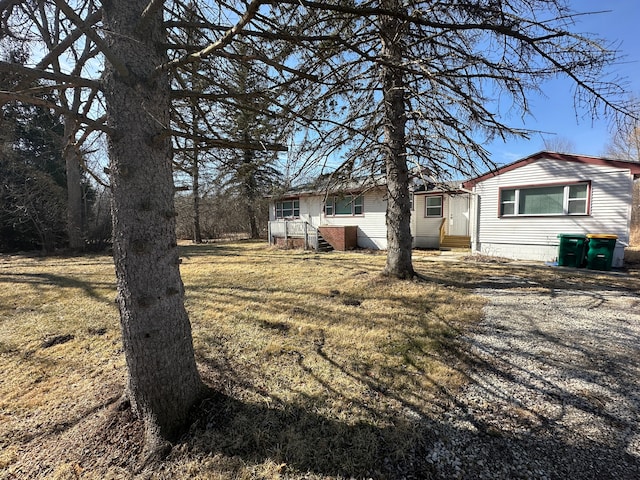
<point>294,229</point>
<point>442,230</point>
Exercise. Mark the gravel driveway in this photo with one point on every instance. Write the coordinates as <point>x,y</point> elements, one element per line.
<point>554,388</point>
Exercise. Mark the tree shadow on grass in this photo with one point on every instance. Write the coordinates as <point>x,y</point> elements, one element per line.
<point>300,441</point>
<point>406,442</point>
<point>45,280</point>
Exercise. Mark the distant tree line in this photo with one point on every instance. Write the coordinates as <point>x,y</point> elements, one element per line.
<point>220,216</point>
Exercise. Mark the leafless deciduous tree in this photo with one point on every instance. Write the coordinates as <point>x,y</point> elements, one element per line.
<point>559,144</point>
<point>625,142</point>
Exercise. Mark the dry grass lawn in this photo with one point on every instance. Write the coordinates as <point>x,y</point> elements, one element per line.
<point>324,368</point>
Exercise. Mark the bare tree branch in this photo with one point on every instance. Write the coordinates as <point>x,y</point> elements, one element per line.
<point>65,44</point>
<point>36,73</point>
<point>89,32</point>
<point>228,36</point>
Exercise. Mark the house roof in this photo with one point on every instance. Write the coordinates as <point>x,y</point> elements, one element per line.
<point>332,184</point>
<point>329,184</point>
<point>433,187</point>
<point>633,167</point>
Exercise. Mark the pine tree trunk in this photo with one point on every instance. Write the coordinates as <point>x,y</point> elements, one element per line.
<point>398,216</point>
<point>253,223</point>
<point>162,382</point>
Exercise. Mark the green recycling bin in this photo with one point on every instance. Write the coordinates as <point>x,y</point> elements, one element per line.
<point>571,250</point>
<point>600,250</point>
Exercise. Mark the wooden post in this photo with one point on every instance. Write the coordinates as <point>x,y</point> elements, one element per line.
<point>286,234</point>
<point>306,238</point>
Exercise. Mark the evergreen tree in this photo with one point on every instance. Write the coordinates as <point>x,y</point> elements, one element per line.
<point>403,84</point>
<point>33,185</point>
<point>249,173</point>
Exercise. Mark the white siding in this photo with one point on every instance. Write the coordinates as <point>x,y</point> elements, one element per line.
<point>426,231</point>
<point>535,238</point>
<point>372,230</point>
<point>310,209</point>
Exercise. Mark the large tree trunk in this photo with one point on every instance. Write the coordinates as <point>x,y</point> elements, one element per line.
<point>75,230</point>
<point>162,382</point>
<point>398,217</point>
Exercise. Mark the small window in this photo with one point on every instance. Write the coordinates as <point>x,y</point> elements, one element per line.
<point>358,205</point>
<point>433,206</point>
<point>348,205</point>
<point>577,200</point>
<point>288,208</point>
<point>508,202</point>
<point>328,207</point>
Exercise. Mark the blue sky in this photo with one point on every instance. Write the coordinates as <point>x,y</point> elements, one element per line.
<point>554,113</point>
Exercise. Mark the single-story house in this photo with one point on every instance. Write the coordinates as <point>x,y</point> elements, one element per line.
<point>348,214</point>
<point>519,209</point>
<point>515,211</point>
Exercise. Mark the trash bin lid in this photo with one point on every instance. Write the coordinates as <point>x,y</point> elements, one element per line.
<point>608,236</point>
<point>572,235</point>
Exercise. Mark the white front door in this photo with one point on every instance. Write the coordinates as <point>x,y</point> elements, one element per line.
<point>458,214</point>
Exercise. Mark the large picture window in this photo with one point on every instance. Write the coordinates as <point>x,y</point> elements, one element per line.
<point>349,205</point>
<point>288,208</point>
<point>433,206</point>
<point>570,199</point>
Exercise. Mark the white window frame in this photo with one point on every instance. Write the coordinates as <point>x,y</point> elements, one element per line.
<point>566,202</point>
<point>295,208</point>
<point>427,206</point>
<point>356,203</point>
